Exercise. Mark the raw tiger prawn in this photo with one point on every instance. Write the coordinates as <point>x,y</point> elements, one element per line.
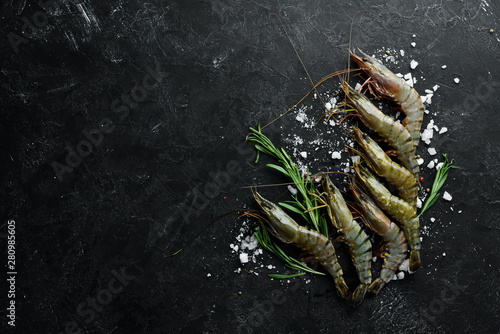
<point>403,212</point>
<point>351,233</point>
<point>283,227</point>
<point>396,247</point>
<point>385,84</point>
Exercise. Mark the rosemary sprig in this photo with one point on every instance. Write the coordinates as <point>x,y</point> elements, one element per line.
<point>289,169</point>
<point>279,276</point>
<point>441,176</point>
<point>265,240</point>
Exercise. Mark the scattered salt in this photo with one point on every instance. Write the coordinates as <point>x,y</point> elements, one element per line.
<point>374,259</point>
<point>413,64</point>
<point>431,164</point>
<point>303,154</point>
<point>336,155</point>
<point>420,161</point>
<point>328,106</point>
<point>402,52</point>
<point>358,86</point>
<point>413,44</point>
<point>414,36</point>
<point>292,190</point>
<point>270,266</point>
<point>457,80</point>
<point>435,87</point>
<point>401,275</point>
<point>443,67</point>
<point>250,242</point>
<point>444,254</point>
<point>428,91</point>
<point>431,150</point>
<point>208,275</point>
<point>419,203</point>
<point>443,130</point>
<point>447,196</point>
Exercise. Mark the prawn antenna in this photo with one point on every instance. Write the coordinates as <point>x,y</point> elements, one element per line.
<point>203,229</point>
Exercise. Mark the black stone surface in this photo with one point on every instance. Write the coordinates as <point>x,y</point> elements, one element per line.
<point>90,246</point>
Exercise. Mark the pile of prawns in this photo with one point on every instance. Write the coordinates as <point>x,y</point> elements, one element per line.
<point>372,199</point>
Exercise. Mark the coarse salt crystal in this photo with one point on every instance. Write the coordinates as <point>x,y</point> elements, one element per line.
<point>428,91</point>
<point>328,106</point>
<point>303,154</point>
<point>414,36</point>
<point>413,64</point>
<point>431,150</point>
<point>419,203</point>
<point>433,219</point>
<point>435,87</point>
<point>402,52</point>
<point>243,257</point>
<point>270,266</point>
<point>457,80</point>
<point>420,161</point>
<point>447,196</point>
<point>292,190</point>
<point>405,265</point>
<point>358,86</point>
<point>443,67</point>
<point>444,254</point>
<point>443,130</point>
<point>413,44</point>
<point>336,155</point>
<point>439,165</point>
<point>401,275</point>
<point>427,135</point>
<point>431,164</point>
<point>208,275</point>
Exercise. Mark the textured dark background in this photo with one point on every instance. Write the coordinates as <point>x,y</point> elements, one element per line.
<point>225,66</point>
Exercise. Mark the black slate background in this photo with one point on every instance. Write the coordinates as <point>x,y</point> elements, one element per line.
<point>225,66</point>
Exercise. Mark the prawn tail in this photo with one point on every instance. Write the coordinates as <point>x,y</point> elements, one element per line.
<point>376,286</point>
<point>358,295</point>
<point>342,288</point>
<point>414,260</point>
